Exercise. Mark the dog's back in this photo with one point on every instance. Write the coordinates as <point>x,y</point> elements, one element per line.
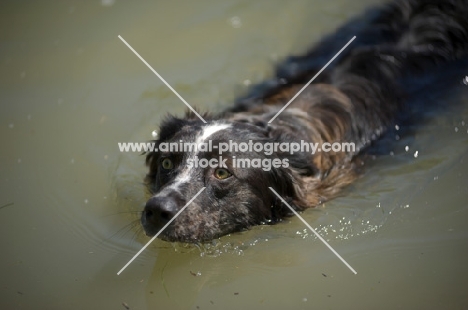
<point>436,28</point>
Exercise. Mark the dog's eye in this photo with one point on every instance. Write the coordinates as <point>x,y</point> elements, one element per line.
<point>221,173</point>
<point>167,164</point>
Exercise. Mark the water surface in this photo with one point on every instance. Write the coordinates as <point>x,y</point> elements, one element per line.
<point>70,90</point>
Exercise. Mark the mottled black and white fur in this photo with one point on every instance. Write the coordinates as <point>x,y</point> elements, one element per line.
<point>355,99</point>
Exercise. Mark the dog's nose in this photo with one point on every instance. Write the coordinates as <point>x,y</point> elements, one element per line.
<point>159,210</point>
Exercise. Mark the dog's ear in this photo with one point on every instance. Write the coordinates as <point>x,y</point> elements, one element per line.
<point>190,115</point>
<point>170,126</point>
<point>152,162</point>
<point>287,183</point>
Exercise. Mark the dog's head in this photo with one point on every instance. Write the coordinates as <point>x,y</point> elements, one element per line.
<point>234,197</point>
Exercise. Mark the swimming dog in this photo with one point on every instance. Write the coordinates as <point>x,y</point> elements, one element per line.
<point>355,100</point>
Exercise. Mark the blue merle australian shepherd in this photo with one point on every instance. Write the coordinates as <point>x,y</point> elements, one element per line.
<point>355,100</point>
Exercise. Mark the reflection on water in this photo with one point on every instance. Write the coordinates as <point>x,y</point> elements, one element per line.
<point>70,203</point>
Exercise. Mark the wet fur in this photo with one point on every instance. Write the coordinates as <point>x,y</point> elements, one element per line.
<point>354,100</point>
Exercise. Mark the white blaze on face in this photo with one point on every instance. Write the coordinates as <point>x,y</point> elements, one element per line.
<point>207,131</point>
<point>210,130</point>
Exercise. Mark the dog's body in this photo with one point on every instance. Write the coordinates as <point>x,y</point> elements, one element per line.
<point>354,100</point>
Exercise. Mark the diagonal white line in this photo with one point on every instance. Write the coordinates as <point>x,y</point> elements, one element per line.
<point>159,232</point>
<point>313,230</point>
<point>315,76</point>
<point>161,78</point>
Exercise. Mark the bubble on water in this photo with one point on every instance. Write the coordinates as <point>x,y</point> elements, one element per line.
<point>72,161</point>
<point>235,22</point>
<point>407,148</point>
<point>304,299</point>
<point>416,154</point>
<point>106,157</point>
<point>19,160</point>
<point>23,74</point>
<point>397,127</point>
<point>28,117</point>
<point>247,82</point>
<point>456,129</point>
<point>107,2</point>
<point>465,80</point>
<point>86,201</point>
<point>154,133</point>
<point>11,125</point>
